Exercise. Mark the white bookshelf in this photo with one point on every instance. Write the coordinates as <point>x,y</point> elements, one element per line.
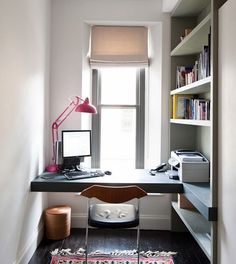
<point>201,17</point>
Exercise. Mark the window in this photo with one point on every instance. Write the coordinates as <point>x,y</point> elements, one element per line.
<point>118,128</point>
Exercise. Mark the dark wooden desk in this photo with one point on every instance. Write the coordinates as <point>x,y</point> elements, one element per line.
<point>160,183</point>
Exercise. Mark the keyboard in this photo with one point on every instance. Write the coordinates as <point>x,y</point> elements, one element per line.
<point>75,175</point>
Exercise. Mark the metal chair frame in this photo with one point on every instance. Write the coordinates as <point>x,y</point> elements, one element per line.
<point>99,192</point>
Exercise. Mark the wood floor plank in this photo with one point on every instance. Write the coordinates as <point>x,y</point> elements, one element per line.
<point>108,240</point>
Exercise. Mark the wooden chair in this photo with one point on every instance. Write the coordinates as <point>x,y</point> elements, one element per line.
<point>114,212</point>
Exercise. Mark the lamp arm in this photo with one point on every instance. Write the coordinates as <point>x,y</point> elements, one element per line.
<point>75,104</point>
<point>62,117</point>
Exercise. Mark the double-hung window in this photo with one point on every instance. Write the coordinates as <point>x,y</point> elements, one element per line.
<point>118,128</point>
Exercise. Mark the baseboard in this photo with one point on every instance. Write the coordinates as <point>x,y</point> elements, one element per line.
<point>30,246</point>
<point>155,222</point>
<point>148,222</point>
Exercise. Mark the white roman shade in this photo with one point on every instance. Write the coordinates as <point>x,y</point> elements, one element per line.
<point>119,46</point>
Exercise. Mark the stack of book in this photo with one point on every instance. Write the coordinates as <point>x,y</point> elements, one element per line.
<point>186,75</point>
<point>185,106</point>
<point>199,109</point>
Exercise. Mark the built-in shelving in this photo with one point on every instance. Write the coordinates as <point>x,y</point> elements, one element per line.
<point>198,226</point>
<point>189,7</point>
<point>194,42</point>
<point>187,48</point>
<point>192,122</point>
<point>198,87</point>
<point>199,194</point>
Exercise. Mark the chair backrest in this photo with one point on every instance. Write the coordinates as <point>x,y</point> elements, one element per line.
<point>114,194</point>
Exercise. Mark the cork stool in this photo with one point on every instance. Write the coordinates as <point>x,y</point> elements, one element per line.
<point>58,222</point>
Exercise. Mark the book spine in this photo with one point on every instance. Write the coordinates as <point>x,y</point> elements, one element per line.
<point>174,107</point>
<point>209,53</point>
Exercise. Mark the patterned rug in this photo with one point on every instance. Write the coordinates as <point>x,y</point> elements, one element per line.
<point>65,256</point>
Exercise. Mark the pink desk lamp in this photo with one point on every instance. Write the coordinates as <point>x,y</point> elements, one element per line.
<point>84,107</point>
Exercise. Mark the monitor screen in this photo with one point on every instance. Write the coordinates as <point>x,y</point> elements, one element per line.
<point>75,145</point>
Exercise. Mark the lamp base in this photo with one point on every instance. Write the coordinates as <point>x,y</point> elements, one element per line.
<point>52,168</point>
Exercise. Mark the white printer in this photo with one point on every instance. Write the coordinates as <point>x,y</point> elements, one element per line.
<point>192,166</point>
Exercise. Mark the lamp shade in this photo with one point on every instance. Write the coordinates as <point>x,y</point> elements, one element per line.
<point>86,107</point>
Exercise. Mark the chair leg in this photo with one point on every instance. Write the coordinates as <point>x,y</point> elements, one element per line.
<point>138,238</point>
<point>86,243</point>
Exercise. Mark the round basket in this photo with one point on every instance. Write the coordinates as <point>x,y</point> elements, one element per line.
<point>58,222</point>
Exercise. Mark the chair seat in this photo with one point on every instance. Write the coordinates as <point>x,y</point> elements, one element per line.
<point>113,215</point>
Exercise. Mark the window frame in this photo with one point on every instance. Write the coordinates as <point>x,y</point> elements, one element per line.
<point>140,117</point>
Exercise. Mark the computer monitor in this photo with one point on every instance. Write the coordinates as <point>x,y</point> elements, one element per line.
<point>76,144</point>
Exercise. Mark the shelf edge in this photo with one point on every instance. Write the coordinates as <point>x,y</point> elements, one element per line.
<point>191,122</point>
<point>197,237</point>
<point>174,52</point>
<point>192,86</point>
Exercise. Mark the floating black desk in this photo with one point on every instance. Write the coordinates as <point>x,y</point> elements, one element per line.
<point>160,183</point>
<point>197,222</point>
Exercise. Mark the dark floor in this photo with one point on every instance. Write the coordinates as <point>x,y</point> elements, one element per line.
<point>188,250</point>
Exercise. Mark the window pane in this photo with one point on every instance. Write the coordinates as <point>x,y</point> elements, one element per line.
<point>118,128</point>
<point>118,86</point>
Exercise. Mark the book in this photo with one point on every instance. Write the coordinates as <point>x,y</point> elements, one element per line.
<point>204,60</point>
<point>209,53</point>
<point>179,104</point>
<point>180,76</point>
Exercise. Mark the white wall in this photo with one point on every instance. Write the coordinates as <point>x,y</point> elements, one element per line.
<point>157,132</point>
<point>227,134</point>
<point>23,102</point>
<point>69,70</point>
